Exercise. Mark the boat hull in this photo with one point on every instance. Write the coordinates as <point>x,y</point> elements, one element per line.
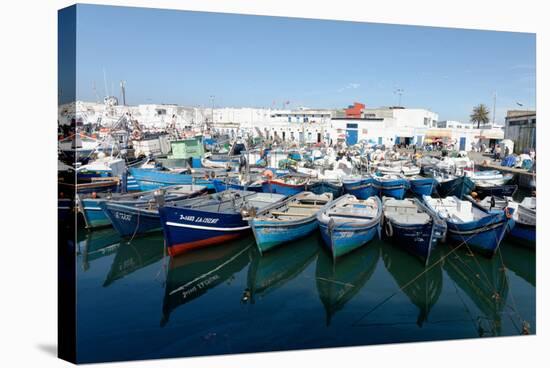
<point>186,229</point>
<point>282,188</point>
<point>392,188</point>
<point>321,187</point>
<point>422,186</point>
<point>343,240</point>
<point>270,234</point>
<point>130,221</point>
<point>94,216</point>
<point>497,191</point>
<point>148,179</point>
<point>220,186</point>
<point>459,187</point>
<point>361,189</point>
<point>483,236</point>
<point>418,240</point>
<point>524,234</point>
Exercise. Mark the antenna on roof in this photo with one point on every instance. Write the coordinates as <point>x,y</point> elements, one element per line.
<point>105,82</point>
<point>399,92</point>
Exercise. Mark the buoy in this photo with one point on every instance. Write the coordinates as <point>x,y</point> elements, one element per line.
<point>508,213</point>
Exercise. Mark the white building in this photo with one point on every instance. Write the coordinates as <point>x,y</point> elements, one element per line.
<point>455,124</point>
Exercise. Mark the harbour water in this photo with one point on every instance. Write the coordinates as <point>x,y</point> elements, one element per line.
<point>135,302</point>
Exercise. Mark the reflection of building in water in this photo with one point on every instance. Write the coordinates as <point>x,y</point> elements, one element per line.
<point>484,281</point>
<point>194,273</point>
<point>338,282</point>
<point>137,254</point>
<point>425,290</point>
<point>275,268</point>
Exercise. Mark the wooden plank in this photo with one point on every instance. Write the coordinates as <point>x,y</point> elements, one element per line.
<point>298,205</point>
<point>290,214</point>
<point>507,169</point>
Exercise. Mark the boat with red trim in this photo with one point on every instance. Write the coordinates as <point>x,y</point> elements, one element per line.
<point>211,219</point>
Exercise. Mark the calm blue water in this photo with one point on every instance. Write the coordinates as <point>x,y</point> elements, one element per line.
<point>135,303</point>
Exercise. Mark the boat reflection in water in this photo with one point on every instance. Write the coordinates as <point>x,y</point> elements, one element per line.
<point>135,255</point>
<point>192,274</point>
<point>275,268</point>
<point>421,284</point>
<point>93,245</point>
<point>521,261</point>
<point>338,282</point>
<point>484,281</point>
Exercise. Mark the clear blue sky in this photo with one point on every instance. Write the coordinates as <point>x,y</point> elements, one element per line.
<point>170,56</point>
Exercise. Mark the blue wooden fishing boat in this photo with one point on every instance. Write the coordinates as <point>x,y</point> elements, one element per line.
<point>235,183</point>
<point>320,186</point>
<point>451,185</point>
<point>287,221</point>
<point>468,223</point>
<point>287,185</point>
<point>209,220</point>
<point>412,226</point>
<point>420,185</point>
<point>132,218</point>
<point>150,179</point>
<point>348,223</point>
<point>391,185</point>
<point>361,187</point>
<point>94,216</point>
<point>524,230</point>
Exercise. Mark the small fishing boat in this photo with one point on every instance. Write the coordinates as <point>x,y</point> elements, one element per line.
<point>524,230</point>
<point>132,218</point>
<point>348,223</point>
<point>361,187</point>
<point>487,189</point>
<point>237,183</point>
<point>96,184</point>
<point>94,216</point>
<point>211,219</point>
<point>420,185</point>
<point>450,184</point>
<point>287,221</point>
<point>470,224</point>
<point>489,177</point>
<point>391,185</point>
<point>398,168</point>
<point>320,186</point>
<point>287,185</point>
<point>151,179</point>
<point>523,227</point>
<point>413,226</point>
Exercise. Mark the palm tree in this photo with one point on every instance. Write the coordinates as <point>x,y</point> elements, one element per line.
<point>480,114</point>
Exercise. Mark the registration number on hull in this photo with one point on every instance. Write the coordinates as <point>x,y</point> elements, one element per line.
<point>123,216</point>
<point>199,219</point>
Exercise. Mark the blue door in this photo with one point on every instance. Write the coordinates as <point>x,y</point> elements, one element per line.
<point>462,143</point>
<point>351,137</point>
<point>379,140</point>
<point>419,141</point>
